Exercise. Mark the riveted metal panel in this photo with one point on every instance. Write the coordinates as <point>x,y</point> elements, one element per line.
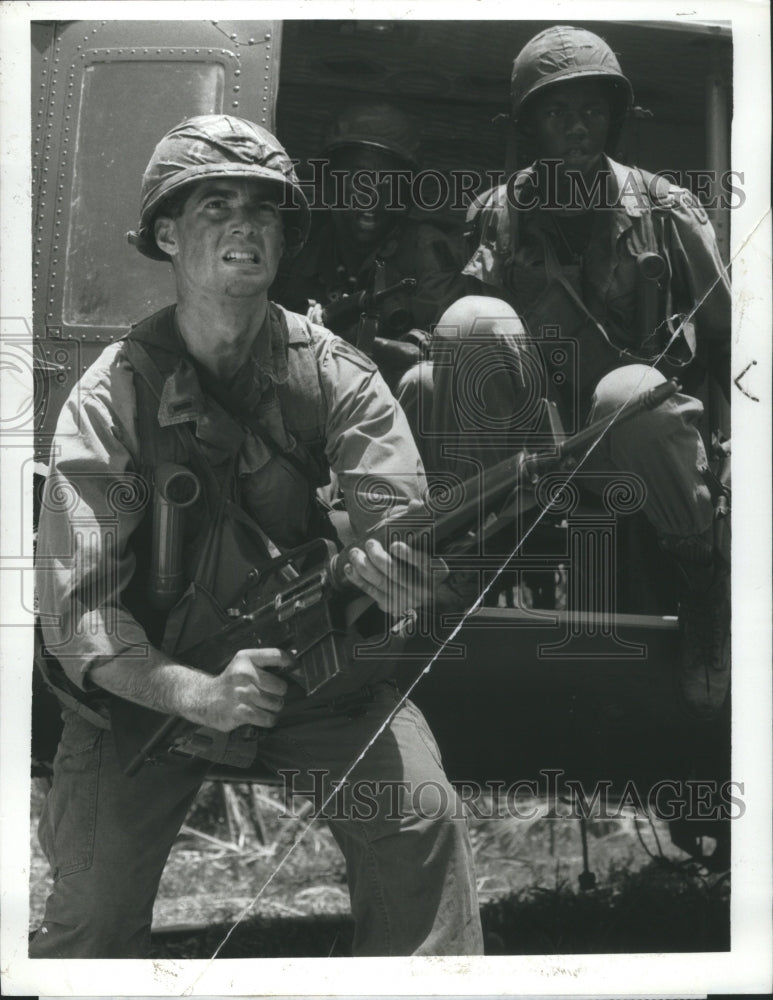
<point>58,366</point>
<point>103,94</point>
<point>42,77</point>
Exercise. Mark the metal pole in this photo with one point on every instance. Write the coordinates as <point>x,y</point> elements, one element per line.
<point>718,148</point>
<point>718,161</point>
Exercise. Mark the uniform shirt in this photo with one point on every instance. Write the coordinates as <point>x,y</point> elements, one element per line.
<point>510,260</point>
<point>411,250</point>
<point>95,498</point>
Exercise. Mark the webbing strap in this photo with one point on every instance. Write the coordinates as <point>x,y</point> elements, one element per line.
<point>147,370</point>
<point>62,695</point>
<point>144,366</point>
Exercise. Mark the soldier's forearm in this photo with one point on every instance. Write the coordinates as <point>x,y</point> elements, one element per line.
<point>157,683</point>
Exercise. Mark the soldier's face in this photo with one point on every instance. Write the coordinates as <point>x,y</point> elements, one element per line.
<point>363,182</point>
<point>570,123</point>
<point>227,240</point>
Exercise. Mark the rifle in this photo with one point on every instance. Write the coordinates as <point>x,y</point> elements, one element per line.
<point>341,313</point>
<point>307,615</point>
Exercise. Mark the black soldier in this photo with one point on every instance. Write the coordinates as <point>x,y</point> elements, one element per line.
<point>257,405</point>
<point>626,267</point>
<point>368,240</point>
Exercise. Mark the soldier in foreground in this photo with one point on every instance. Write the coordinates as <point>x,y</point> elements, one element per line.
<point>255,405</point>
<point>626,266</point>
<point>368,238</point>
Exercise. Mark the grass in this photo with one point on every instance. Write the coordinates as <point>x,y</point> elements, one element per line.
<point>235,857</point>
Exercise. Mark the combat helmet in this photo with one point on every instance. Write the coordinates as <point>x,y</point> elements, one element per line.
<point>218,146</point>
<point>378,126</point>
<point>564,53</point>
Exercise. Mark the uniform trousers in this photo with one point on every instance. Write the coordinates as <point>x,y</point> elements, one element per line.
<point>398,822</point>
<point>478,393</point>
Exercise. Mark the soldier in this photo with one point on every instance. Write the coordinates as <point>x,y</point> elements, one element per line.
<point>258,404</point>
<point>371,154</point>
<point>626,266</point>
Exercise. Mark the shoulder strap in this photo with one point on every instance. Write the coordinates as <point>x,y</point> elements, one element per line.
<point>643,230</point>
<point>302,402</point>
<point>304,390</point>
<point>174,443</point>
<point>681,345</point>
<point>157,444</point>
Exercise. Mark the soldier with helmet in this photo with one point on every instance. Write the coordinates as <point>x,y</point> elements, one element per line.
<point>626,267</point>
<point>368,227</point>
<point>256,406</point>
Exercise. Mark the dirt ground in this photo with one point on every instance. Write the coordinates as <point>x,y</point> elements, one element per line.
<point>247,869</point>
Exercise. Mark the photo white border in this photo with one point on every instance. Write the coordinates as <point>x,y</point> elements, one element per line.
<point>747,967</point>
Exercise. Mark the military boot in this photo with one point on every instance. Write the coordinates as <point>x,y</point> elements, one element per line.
<point>703,675</point>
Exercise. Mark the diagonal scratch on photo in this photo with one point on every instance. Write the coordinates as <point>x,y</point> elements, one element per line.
<point>382,488</point>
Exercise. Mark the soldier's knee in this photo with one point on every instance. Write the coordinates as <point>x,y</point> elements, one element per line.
<point>478,316</point>
<point>435,809</point>
<point>416,380</point>
<point>623,384</point>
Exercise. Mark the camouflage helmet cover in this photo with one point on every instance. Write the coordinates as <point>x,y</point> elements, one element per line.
<point>378,126</point>
<point>210,146</point>
<point>564,53</point>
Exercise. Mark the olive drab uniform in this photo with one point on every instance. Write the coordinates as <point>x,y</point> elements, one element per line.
<point>258,453</point>
<point>304,402</point>
<point>593,302</point>
<point>597,297</point>
<point>303,405</point>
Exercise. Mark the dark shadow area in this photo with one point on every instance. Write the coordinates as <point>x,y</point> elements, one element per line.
<point>653,910</point>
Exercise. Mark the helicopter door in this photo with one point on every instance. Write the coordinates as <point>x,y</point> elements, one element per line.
<point>103,94</point>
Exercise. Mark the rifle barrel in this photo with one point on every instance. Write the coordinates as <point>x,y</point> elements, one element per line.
<point>465,509</point>
<point>648,400</point>
<point>463,504</point>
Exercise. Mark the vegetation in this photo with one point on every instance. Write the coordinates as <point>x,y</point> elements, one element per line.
<point>245,858</point>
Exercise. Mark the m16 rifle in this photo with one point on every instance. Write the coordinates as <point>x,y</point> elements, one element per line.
<point>339,314</point>
<point>382,309</point>
<point>310,615</point>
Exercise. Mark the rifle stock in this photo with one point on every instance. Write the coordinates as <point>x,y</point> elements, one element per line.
<point>306,617</point>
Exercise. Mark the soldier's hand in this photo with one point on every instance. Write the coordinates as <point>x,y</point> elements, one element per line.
<point>399,580</point>
<point>314,313</point>
<point>247,692</point>
<point>395,353</point>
